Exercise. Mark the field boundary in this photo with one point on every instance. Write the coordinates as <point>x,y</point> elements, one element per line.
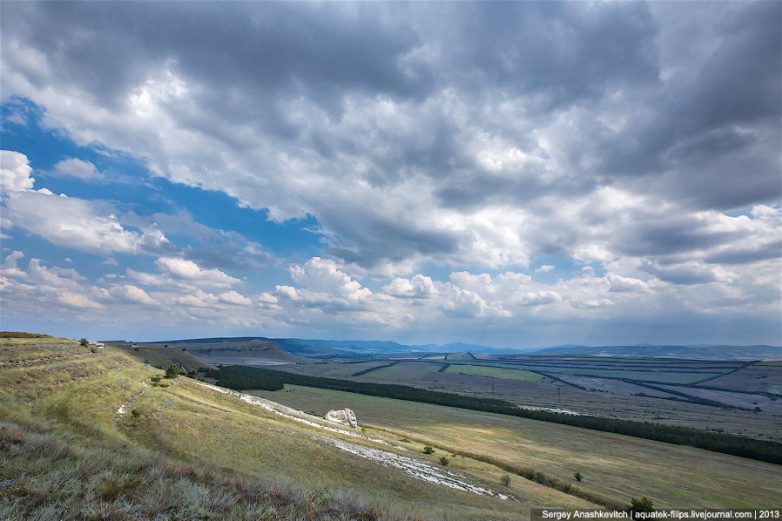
<point>243,377</point>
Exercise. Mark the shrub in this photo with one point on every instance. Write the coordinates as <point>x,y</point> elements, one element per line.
<point>505,480</point>
<point>428,450</point>
<point>444,461</point>
<point>637,506</point>
<point>578,476</point>
<point>84,342</point>
<point>172,371</point>
<point>135,414</point>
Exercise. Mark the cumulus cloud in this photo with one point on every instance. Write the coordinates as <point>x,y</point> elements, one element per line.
<point>638,141</point>
<point>15,172</point>
<point>74,167</point>
<point>66,221</point>
<point>132,294</point>
<point>443,141</point>
<point>189,271</point>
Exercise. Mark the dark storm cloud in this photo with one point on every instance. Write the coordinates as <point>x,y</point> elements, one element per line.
<point>680,102</point>
<point>681,274</point>
<point>664,236</point>
<point>247,55</point>
<point>558,52</point>
<point>715,127</point>
<point>746,255</point>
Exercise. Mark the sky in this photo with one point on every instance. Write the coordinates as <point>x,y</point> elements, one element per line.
<point>509,174</point>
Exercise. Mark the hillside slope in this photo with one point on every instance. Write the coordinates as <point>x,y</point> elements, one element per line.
<point>239,351</point>
<point>211,455</point>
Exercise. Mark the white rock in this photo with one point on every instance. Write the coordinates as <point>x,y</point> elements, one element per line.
<point>343,416</point>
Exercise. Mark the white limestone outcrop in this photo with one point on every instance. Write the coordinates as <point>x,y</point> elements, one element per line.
<point>343,416</point>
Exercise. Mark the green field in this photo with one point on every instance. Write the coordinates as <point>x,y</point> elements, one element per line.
<point>403,371</point>
<point>614,466</point>
<point>72,397</point>
<point>495,372</point>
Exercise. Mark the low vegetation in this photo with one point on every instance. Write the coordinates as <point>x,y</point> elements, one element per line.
<point>615,468</point>
<point>129,444</point>
<point>370,369</point>
<point>20,334</point>
<point>243,378</point>
<point>50,476</point>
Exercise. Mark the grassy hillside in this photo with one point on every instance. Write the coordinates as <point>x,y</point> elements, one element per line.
<point>237,377</point>
<point>613,466</point>
<point>161,356</point>
<point>70,441</point>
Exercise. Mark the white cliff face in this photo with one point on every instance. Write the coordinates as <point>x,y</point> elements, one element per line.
<point>343,416</point>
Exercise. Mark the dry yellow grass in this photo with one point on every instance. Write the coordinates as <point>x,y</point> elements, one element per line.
<point>616,466</point>
<point>79,395</point>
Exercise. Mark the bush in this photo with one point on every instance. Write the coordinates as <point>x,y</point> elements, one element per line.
<point>84,342</point>
<point>172,371</point>
<point>637,506</point>
<point>428,450</point>
<point>444,461</point>
<point>505,480</point>
<point>578,476</point>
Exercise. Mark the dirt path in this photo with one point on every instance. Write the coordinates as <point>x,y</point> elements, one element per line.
<point>412,467</point>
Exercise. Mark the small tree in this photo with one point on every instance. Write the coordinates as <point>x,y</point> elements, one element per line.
<point>135,414</point>
<point>444,461</point>
<point>505,480</point>
<point>637,506</point>
<point>428,450</point>
<point>84,342</point>
<point>172,371</point>
<point>578,476</point>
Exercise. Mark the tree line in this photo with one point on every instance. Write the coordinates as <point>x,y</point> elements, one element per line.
<point>242,378</point>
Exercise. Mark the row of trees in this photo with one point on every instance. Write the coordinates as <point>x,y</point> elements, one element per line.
<point>241,378</point>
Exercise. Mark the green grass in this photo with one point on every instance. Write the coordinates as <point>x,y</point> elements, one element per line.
<point>403,371</point>
<point>495,372</point>
<point>614,466</point>
<point>75,399</point>
<point>242,378</point>
<point>55,476</point>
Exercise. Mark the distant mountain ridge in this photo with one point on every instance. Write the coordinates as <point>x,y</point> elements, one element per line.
<point>353,348</point>
<point>696,352</point>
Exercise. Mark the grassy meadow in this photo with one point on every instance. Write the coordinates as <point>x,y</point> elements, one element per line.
<point>613,466</point>
<point>495,372</point>
<point>73,399</point>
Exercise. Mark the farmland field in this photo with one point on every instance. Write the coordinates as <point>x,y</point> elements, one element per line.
<point>672,475</point>
<point>494,372</point>
<point>618,388</point>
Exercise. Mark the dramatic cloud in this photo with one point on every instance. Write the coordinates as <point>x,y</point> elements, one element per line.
<point>458,163</point>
